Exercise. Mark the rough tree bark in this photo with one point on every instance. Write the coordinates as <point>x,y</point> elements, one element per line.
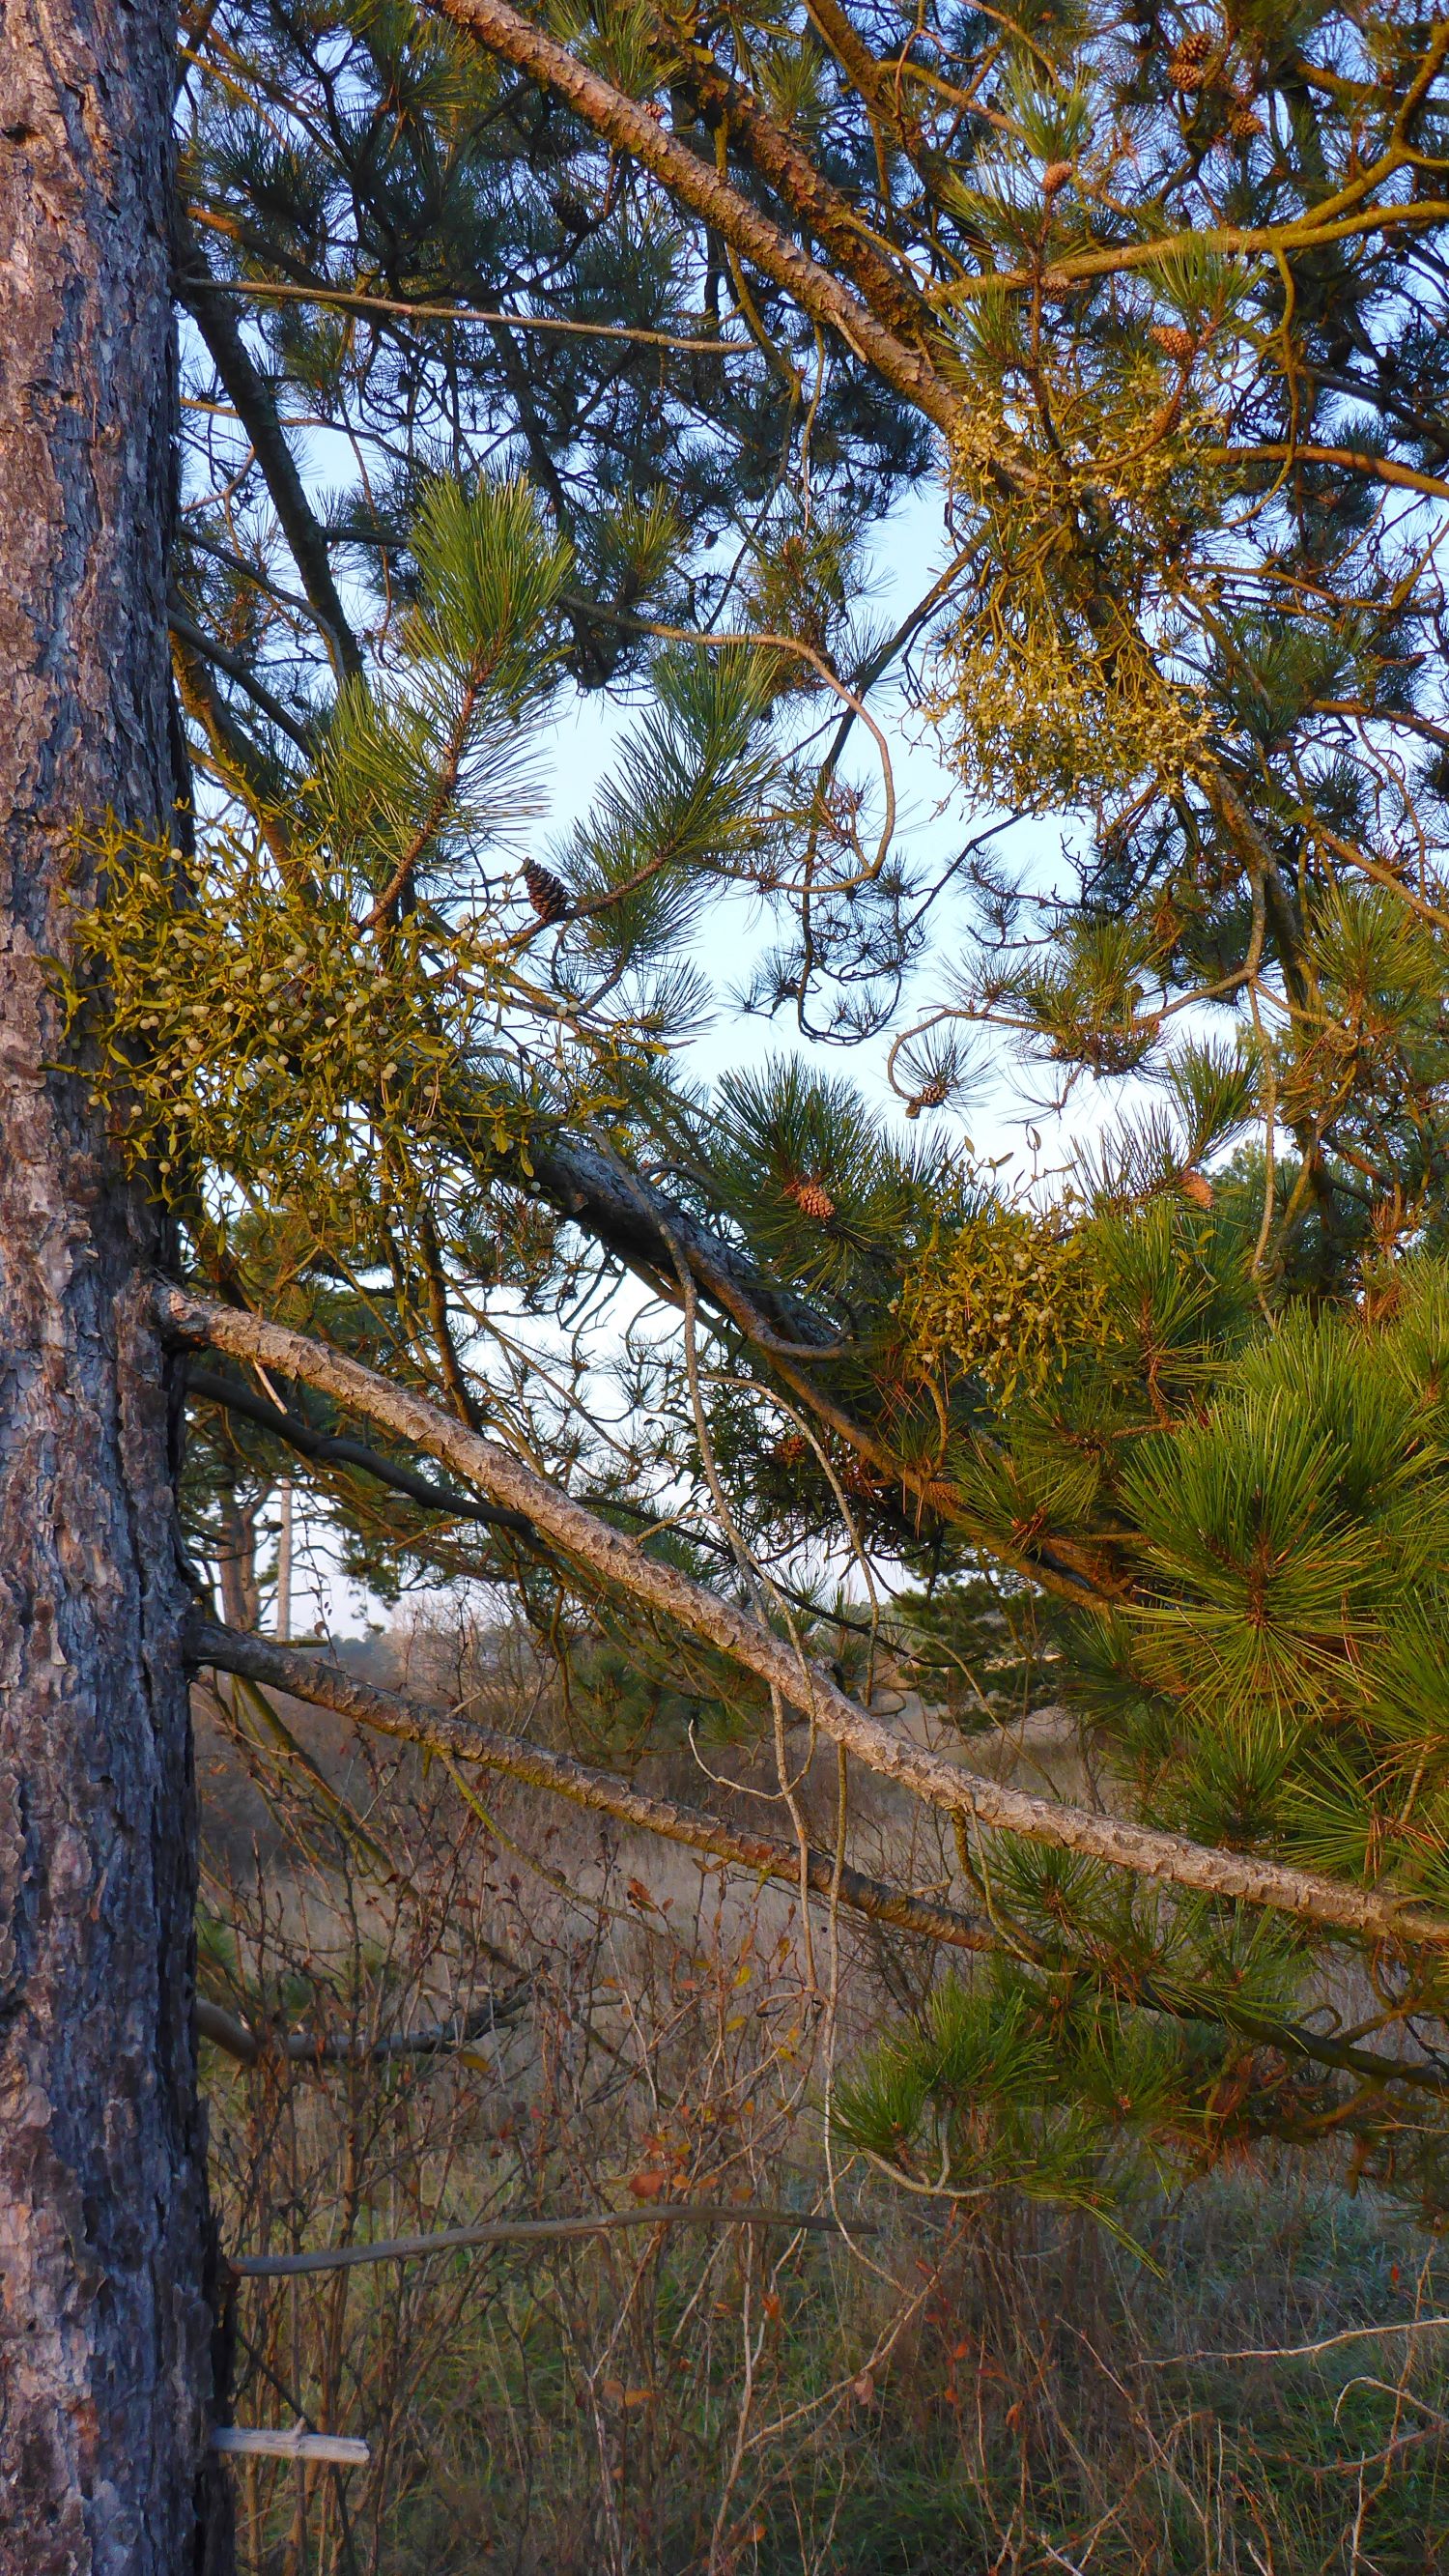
<point>104,2323</point>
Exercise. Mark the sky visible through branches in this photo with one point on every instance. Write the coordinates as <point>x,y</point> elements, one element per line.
<point>1010,1117</point>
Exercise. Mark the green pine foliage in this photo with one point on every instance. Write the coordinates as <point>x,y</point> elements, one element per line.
<point>413,1075</point>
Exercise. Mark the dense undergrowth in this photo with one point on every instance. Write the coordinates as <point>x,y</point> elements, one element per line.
<point>1022,2422</point>
<point>1005,2387</point>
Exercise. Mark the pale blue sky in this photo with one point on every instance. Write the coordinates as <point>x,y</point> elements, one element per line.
<point>935,818</point>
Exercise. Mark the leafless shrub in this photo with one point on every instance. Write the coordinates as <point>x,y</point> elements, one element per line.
<point>1007,2390</point>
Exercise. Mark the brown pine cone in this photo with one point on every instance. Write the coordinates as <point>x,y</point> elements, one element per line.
<point>812,1198</point>
<point>1054,178</point>
<point>932,1095</point>
<point>1174,341</point>
<point>790,1451</point>
<point>547,893</point>
<point>1245,122</point>
<point>1185,69</point>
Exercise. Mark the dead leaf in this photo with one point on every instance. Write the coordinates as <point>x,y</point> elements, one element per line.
<point>651,2184</point>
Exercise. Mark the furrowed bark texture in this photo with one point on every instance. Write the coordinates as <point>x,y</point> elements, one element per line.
<point>104,2324</point>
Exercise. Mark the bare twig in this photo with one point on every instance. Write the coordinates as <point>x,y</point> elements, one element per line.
<point>344,301</point>
<point>1302,2351</point>
<point>226,2030</point>
<point>534,2231</point>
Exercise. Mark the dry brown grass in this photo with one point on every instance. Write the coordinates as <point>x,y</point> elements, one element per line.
<point>977,2395</point>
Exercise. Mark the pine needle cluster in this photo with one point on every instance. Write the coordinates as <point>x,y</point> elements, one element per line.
<point>632,367</point>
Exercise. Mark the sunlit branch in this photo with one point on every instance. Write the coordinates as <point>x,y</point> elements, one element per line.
<point>307,1677</point>
<point>622,1563</point>
<point>345,301</point>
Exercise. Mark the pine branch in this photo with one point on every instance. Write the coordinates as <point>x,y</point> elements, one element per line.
<point>628,127</point>
<point>1382,469</point>
<point>227,2031</point>
<point>345,300</point>
<point>618,1561</point>
<point>816,204</point>
<point>308,1677</point>
<point>242,765</point>
<point>257,411</point>
<point>445,786</point>
<point>330,1450</point>
<point>184,626</point>
<point>880,86</point>
<point>636,1223</point>
<point>539,2231</point>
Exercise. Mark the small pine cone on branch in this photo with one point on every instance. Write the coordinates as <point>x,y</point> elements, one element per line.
<point>1174,341</point>
<point>1054,178</point>
<point>932,1095</point>
<point>1185,69</point>
<point>812,1199</point>
<point>547,893</point>
<point>791,1451</point>
<point>1245,122</point>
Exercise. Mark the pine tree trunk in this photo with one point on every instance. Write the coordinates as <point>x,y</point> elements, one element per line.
<point>236,1562</point>
<point>104,2324</point>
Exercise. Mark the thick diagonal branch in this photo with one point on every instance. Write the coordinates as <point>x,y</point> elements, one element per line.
<point>620,1562</point>
<point>633,1221</point>
<point>628,127</point>
<point>308,1677</point>
<point>816,204</point>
